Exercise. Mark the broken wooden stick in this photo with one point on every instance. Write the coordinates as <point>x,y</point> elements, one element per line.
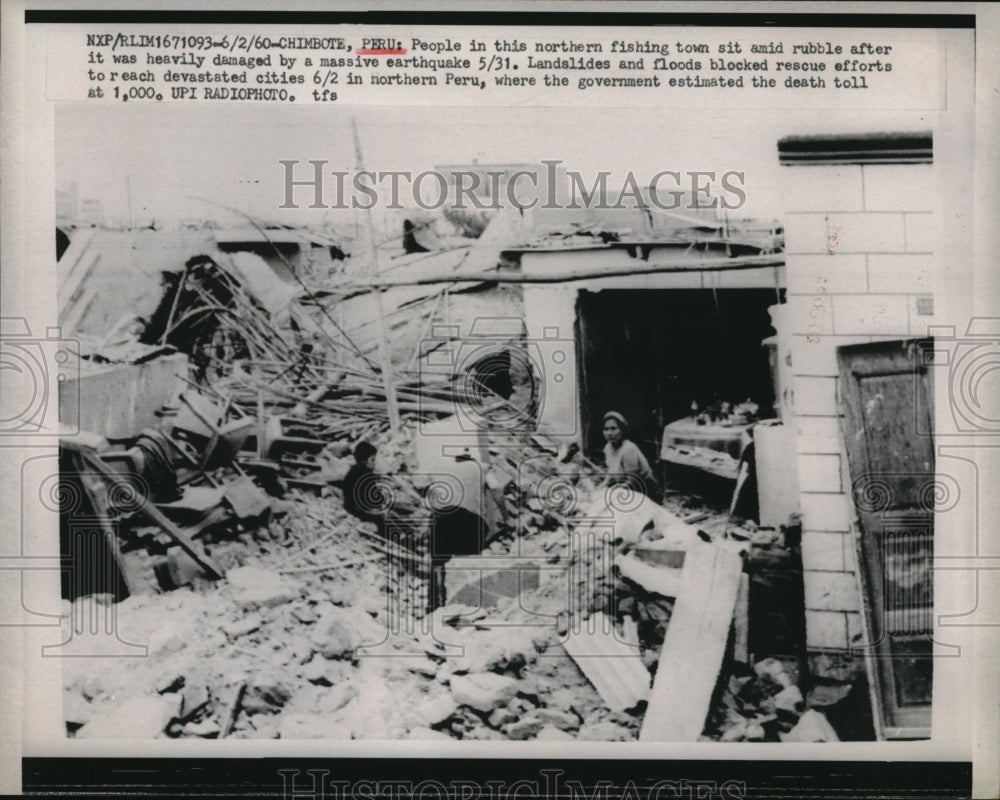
<point>233,711</point>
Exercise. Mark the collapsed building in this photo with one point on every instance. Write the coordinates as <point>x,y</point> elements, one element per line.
<point>208,432</point>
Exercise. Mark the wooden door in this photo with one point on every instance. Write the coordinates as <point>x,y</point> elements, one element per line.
<point>887,419</point>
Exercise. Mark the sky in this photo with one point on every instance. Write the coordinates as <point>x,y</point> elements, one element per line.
<point>170,159</point>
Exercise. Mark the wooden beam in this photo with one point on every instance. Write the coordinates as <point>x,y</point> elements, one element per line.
<point>694,645</point>
<point>385,355</point>
<point>577,273</point>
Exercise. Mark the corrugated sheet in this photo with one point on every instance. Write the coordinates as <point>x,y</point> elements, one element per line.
<point>610,664</point>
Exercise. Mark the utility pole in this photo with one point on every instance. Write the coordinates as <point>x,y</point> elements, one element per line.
<point>384,353</point>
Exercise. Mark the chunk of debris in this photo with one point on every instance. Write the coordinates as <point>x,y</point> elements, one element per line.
<point>604,732</point>
<point>524,728</point>
<point>563,720</point>
<point>550,733</point>
<point>265,697</point>
<point>483,691</point>
<point>243,626</point>
<point>694,646</point>
<point>340,632</point>
<point>812,726</point>
<point>256,587</point>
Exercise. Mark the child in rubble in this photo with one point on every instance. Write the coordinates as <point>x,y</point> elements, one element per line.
<point>453,531</point>
<point>370,495</point>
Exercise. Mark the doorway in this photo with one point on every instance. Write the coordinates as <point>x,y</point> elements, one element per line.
<point>650,354</point>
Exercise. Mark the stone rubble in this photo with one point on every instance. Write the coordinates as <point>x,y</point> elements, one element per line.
<point>310,650</point>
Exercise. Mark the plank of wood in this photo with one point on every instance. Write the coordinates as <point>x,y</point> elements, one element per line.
<point>694,645</point>
<point>665,581</point>
<point>741,621</point>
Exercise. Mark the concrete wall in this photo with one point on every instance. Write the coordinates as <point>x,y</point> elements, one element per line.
<point>860,242</point>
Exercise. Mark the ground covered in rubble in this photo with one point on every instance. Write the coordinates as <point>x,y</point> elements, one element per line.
<point>307,637</point>
<point>284,650</point>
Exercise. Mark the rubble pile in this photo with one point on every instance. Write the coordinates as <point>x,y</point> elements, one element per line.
<point>266,610</point>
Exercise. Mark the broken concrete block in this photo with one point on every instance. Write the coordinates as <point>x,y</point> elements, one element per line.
<point>736,732</point>
<point>813,726</point>
<point>434,709</point>
<point>241,627</point>
<point>789,699</point>
<point>500,717</point>
<point>265,697</point>
<point>483,691</point>
<point>550,733</point>
<point>143,717</point>
<point>338,697</point>
<point>524,728</point>
<point>564,720</point>
<point>773,669</point>
<point>604,732</point>
<point>340,631</point>
<point>255,587</point>
<point>754,733</point>
<point>563,698</point>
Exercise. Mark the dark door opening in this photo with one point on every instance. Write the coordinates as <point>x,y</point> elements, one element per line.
<point>650,353</point>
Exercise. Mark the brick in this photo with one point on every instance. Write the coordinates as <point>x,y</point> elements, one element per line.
<point>818,435</point>
<point>899,187</point>
<point>810,314</point>
<point>833,188</point>
<point>850,554</point>
<point>871,314</point>
<point>856,629</point>
<point>900,274</point>
<point>822,550</point>
<point>806,234</point>
<point>826,512</point>
<point>826,274</point>
<point>817,355</point>
<point>831,591</point>
<point>865,233</point>
<point>815,396</point>
<point>921,233</point>
<point>826,629</point>
<point>820,473</point>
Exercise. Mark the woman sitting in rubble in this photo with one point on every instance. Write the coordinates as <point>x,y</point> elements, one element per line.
<point>624,461</point>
